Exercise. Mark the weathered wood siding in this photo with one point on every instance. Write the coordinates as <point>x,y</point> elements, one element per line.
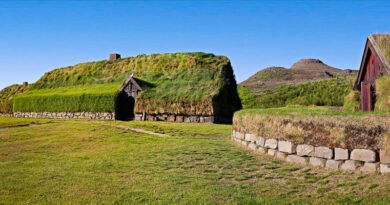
<point>366,94</point>
<point>372,69</point>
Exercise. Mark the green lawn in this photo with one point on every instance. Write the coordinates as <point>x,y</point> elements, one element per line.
<point>84,162</point>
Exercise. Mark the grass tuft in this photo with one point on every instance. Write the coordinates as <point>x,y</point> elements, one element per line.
<point>383,91</point>
<point>352,102</point>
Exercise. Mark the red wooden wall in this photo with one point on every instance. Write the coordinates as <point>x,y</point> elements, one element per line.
<point>372,71</point>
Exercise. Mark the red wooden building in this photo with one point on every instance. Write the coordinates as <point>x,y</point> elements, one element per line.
<point>373,66</point>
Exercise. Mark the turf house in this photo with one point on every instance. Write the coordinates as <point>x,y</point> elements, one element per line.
<point>373,81</point>
<point>180,87</point>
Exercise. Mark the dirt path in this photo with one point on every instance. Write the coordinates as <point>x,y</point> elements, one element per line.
<point>142,130</point>
<point>23,125</point>
<point>15,126</point>
<point>133,129</point>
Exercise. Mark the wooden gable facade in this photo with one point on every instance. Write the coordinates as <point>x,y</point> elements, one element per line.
<point>125,101</point>
<point>373,66</point>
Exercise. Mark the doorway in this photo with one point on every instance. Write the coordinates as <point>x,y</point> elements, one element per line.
<point>366,97</point>
<point>124,107</point>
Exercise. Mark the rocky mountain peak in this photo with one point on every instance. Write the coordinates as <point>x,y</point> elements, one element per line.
<point>307,62</point>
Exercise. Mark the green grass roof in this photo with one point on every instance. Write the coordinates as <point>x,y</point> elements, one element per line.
<point>169,80</point>
<point>383,41</point>
<point>78,89</point>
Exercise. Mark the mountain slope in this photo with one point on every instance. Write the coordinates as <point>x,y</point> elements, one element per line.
<point>308,81</point>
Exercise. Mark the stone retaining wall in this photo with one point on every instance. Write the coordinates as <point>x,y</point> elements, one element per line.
<point>65,115</point>
<point>6,115</point>
<point>181,118</point>
<point>111,116</point>
<point>363,160</point>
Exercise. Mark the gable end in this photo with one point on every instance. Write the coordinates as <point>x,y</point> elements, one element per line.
<point>371,48</point>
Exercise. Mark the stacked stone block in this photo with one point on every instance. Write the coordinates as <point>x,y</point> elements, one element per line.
<point>67,115</point>
<point>6,115</point>
<point>174,118</point>
<point>363,160</point>
<point>111,116</point>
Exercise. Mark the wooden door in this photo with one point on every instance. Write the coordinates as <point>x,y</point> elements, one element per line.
<point>366,96</point>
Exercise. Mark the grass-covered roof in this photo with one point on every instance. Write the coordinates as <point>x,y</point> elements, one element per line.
<point>383,41</point>
<point>179,83</point>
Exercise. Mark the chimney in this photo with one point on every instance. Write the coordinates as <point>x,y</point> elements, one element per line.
<point>114,56</point>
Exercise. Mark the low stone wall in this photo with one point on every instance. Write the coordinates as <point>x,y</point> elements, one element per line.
<point>6,115</point>
<point>175,118</point>
<point>363,160</point>
<point>66,115</point>
<point>111,116</point>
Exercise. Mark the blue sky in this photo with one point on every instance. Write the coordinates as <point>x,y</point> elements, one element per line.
<point>36,37</point>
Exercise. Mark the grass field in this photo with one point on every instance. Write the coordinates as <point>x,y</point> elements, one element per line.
<point>88,162</point>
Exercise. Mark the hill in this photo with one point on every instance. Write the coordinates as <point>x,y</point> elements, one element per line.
<point>308,81</point>
<point>302,71</point>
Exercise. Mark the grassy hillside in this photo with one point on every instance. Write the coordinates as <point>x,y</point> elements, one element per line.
<point>178,83</point>
<point>329,92</point>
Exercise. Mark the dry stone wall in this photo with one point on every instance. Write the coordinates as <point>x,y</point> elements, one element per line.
<point>6,115</point>
<point>66,115</point>
<point>362,160</point>
<point>178,118</point>
<point>111,116</point>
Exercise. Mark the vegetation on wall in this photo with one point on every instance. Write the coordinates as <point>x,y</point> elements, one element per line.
<point>7,96</point>
<point>92,98</point>
<point>329,92</point>
<point>317,126</point>
<point>383,91</point>
<point>352,102</point>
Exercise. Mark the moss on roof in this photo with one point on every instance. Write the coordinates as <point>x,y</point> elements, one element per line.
<point>170,81</point>
<point>383,41</point>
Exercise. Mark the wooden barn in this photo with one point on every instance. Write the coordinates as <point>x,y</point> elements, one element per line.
<point>374,64</point>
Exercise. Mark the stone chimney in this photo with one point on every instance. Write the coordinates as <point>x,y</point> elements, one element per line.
<point>114,56</point>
